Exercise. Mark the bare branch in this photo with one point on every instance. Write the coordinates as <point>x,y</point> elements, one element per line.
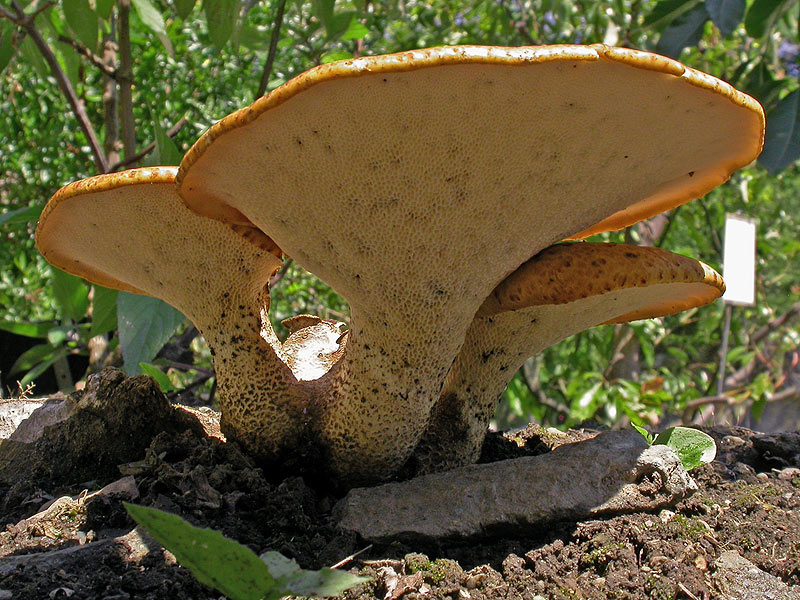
<point>89,55</point>
<point>125,80</point>
<point>273,48</point>
<point>171,132</point>
<point>23,21</point>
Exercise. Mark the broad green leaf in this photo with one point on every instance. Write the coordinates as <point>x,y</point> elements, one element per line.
<point>167,150</point>
<point>31,357</point>
<point>726,14</point>
<point>145,324</point>
<point>21,215</point>
<point>158,375</point>
<point>104,8</point>
<point>762,15</point>
<point>33,330</point>
<point>667,11</point>
<point>335,56</point>
<point>6,43</point>
<point>32,56</point>
<point>42,366</point>
<point>82,20</point>
<point>323,10</point>
<point>220,18</point>
<point>152,19</point>
<point>104,310</point>
<point>253,38</point>
<point>213,559</point>
<point>693,447</point>
<point>782,139</point>
<point>57,335</point>
<point>686,31</point>
<point>339,23</point>
<point>290,577</point>
<point>70,61</point>
<point>356,30</point>
<point>71,294</point>
<point>184,7</point>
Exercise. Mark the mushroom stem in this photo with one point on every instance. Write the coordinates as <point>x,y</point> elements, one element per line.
<point>565,289</point>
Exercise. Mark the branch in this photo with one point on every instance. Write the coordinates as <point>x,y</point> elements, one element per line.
<point>89,55</point>
<point>273,48</point>
<point>125,80</point>
<point>273,281</point>
<point>25,22</point>
<point>171,132</point>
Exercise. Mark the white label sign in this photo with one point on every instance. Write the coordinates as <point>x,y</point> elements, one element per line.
<point>739,260</point>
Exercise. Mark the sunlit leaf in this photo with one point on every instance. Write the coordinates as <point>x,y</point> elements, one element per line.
<point>21,215</point>
<point>104,310</point>
<point>149,15</point>
<point>158,375</point>
<point>692,446</point>
<point>32,330</point>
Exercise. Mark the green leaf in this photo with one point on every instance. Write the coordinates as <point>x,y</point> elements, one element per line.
<point>667,11</point>
<point>356,30</point>
<point>221,18</point>
<point>145,324</point>
<point>782,139</point>
<point>6,44</point>
<point>213,559</point>
<point>290,577</point>
<point>686,31</point>
<point>338,24</point>
<point>42,366</point>
<point>763,14</point>
<point>70,293</point>
<point>32,330</point>
<point>693,447</point>
<point>57,335</point>
<point>726,14</point>
<point>82,20</point>
<point>21,215</point>
<point>33,57</point>
<point>104,310</point>
<point>31,357</point>
<point>159,376</point>
<point>184,7</point>
<point>104,8</point>
<point>645,434</point>
<point>167,150</point>
<point>152,19</point>
<point>335,56</point>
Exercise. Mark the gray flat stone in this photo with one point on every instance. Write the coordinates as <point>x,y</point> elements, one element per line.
<point>739,579</point>
<point>612,473</point>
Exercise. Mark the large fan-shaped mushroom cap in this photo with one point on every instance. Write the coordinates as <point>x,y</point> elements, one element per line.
<point>414,183</point>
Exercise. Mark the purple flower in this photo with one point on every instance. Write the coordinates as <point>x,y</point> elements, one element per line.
<point>459,19</point>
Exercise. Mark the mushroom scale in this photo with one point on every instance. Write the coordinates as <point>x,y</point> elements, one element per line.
<point>414,183</point>
<point>563,290</point>
<point>130,231</point>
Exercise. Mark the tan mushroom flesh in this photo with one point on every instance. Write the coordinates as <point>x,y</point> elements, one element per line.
<point>414,183</point>
<point>130,231</point>
<point>561,291</point>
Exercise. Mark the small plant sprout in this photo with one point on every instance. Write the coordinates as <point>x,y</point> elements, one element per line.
<point>692,446</point>
<point>234,569</point>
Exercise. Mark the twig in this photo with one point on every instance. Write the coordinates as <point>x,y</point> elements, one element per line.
<point>110,97</point>
<point>687,592</point>
<point>192,385</point>
<point>281,273</point>
<point>273,48</point>
<point>98,62</point>
<point>187,367</point>
<point>125,80</point>
<point>25,22</point>
<point>346,560</point>
<point>171,132</point>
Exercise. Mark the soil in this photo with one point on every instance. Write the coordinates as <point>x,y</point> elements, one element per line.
<point>57,541</point>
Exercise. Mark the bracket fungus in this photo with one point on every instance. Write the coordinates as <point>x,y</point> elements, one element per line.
<point>130,231</point>
<point>563,290</point>
<point>414,183</point>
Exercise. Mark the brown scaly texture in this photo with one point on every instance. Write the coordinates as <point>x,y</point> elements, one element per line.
<point>130,231</point>
<point>414,183</point>
<point>563,290</point>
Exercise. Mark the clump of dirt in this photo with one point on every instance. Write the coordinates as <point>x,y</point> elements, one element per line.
<point>81,545</point>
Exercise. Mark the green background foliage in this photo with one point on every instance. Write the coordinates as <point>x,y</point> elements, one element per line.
<point>195,62</point>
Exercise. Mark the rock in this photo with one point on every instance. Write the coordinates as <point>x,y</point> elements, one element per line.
<point>16,411</point>
<point>739,579</point>
<point>612,473</point>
